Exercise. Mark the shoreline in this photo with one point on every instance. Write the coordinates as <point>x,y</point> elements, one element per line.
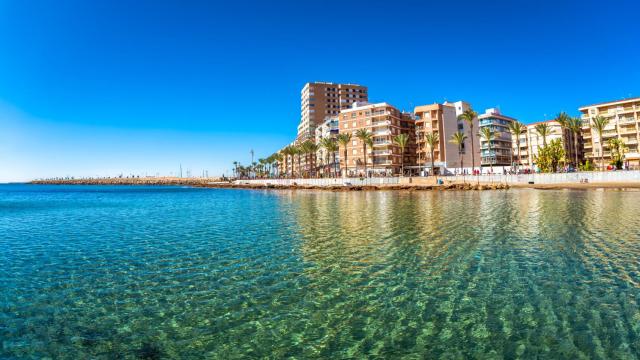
<point>212,183</point>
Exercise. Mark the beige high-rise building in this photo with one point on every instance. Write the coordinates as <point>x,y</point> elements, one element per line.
<point>442,119</point>
<point>623,116</point>
<point>320,100</point>
<point>501,144</point>
<point>531,142</point>
<point>384,122</point>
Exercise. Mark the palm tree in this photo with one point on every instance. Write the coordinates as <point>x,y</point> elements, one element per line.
<point>373,155</point>
<point>305,148</point>
<point>402,140</point>
<point>235,168</point>
<point>458,139</point>
<point>487,134</point>
<point>344,140</point>
<point>365,137</point>
<point>564,119</point>
<point>262,163</point>
<point>469,116</point>
<point>516,129</point>
<point>598,124</point>
<point>296,150</point>
<point>313,149</point>
<point>287,151</point>
<point>277,159</point>
<point>575,126</point>
<point>543,130</point>
<point>431,139</point>
<point>332,147</point>
<point>324,143</point>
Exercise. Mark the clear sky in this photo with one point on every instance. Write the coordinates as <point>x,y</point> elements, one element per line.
<point>106,87</point>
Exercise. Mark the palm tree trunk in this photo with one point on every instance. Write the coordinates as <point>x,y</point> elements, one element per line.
<point>473,152</point>
<point>328,163</point>
<point>365,160</point>
<point>601,154</point>
<point>575,147</point>
<point>346,166</point>
<point>519,156</point>
<point>491,161</point>
<point>402,162</point>
<point>433,165</point>
<point>461,161</point>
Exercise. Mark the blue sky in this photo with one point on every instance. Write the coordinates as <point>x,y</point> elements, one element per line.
<point>106,87</point>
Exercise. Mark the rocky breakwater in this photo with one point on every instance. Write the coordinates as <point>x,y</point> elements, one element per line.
<point>130,181</point>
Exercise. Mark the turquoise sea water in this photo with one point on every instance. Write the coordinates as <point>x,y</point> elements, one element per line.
<point>168,272</point>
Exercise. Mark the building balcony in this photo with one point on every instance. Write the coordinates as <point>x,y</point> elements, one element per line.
<point>627,130</point>
<point>627,120</point>
<point>381,143</point>
<point>382,152</point>
<point>382,162</point>
<point>381,123</point>
<point>381,132</point>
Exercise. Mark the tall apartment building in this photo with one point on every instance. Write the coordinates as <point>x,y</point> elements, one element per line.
<point>531,142</point>
<point>320,100</point>
<point>623,116</point>
<point>500,154</point>
<point>442,119</point>
<point>384,122</point>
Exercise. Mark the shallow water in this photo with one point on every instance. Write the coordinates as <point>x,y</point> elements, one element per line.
<point>167,272</point>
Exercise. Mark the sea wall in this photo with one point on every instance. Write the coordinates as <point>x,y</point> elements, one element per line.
<point>632,176</point>
<point>322,182</point>
<point>598,177</point>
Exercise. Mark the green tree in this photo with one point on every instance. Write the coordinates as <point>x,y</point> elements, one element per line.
<point>366,138</point>
<point>344,139</point>
<point>469,117</point>
<point>297,152</point>
<point>550,156</point>
<point>333,148</point>
<point>458,139</point>
<point>618,148</point>
<point>575,126</point>
<point>516,129</point>
<point>565,122</point>
<point>313,152</point>
<point>287,152</point>
<point>598,124</point>
<point>487,134</point>
<point>402,140</point>
<point>277,161</point>
<point>326,144</point>
<point>543,130</point>
<point>431,139</point>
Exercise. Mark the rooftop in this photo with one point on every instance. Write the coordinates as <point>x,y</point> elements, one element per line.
<point>621,101</point>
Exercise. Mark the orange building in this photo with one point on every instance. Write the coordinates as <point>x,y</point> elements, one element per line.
<point>383,122</point>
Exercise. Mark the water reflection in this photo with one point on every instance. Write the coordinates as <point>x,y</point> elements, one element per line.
<point>462,274</point>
